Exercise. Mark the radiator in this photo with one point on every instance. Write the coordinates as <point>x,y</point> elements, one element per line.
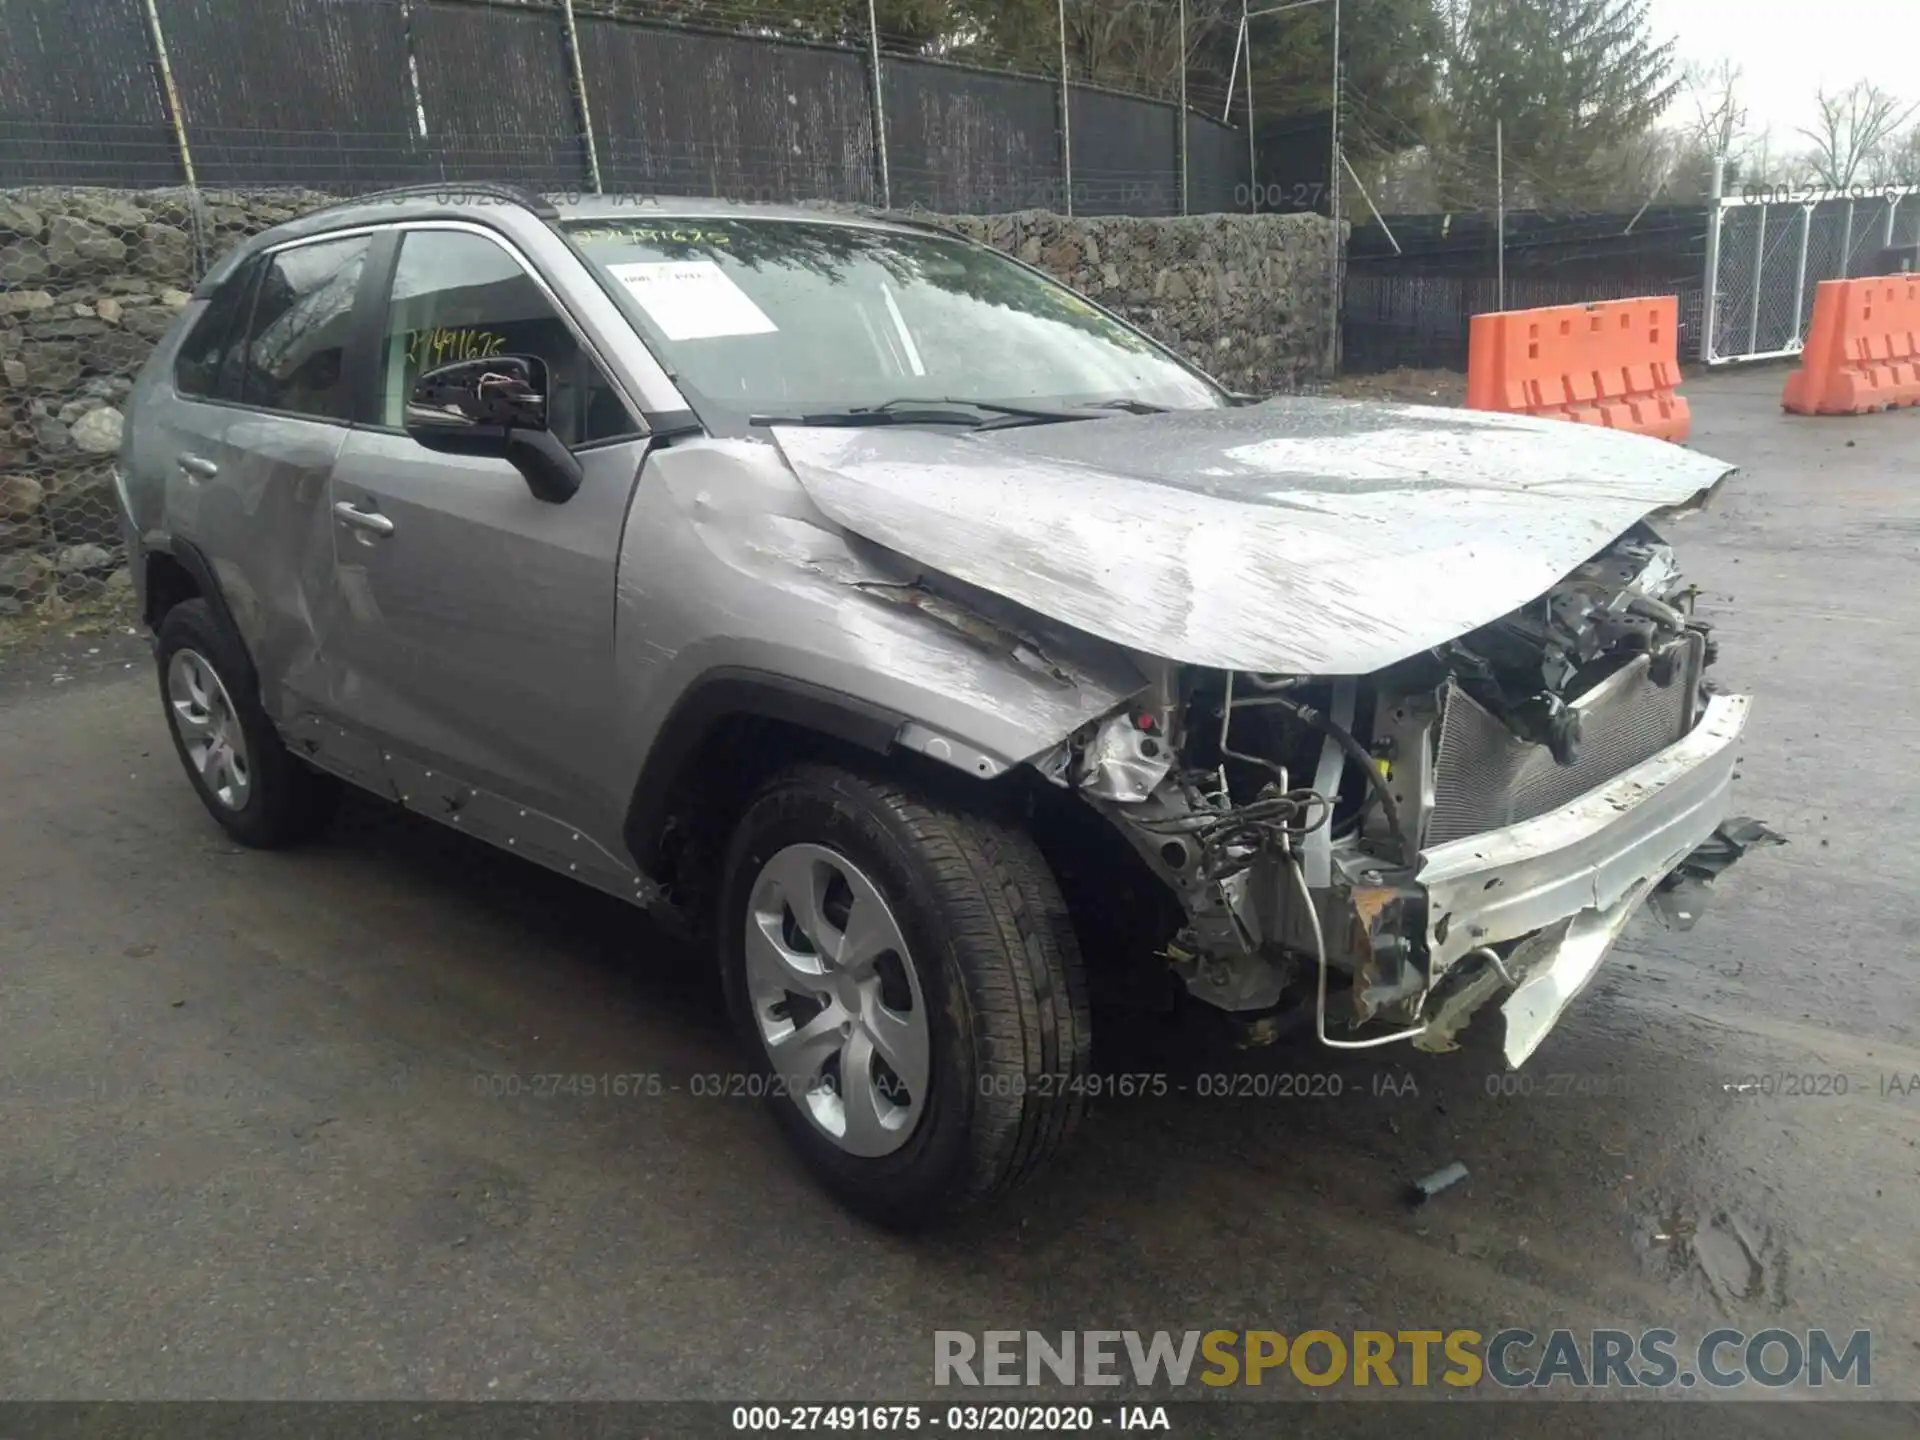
<point>1485,776</point>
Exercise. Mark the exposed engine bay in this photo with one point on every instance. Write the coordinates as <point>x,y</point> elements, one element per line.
<point>1412,842</point>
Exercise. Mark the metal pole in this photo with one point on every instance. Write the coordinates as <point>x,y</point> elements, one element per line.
<point>1253,178</point>
<point>172,93</point>
<point>1378,218</point>
<point>1233,70</point>
<point>1759,264</point>
<point>1800,281</point>
<point>1333,196</point>
<point>1710,299</point>
<point>1846,246</point>
<point>1333,163</point>
<point>1645,205</point>
<point>580,90</point>
<point>1500,191</point>
<point>1066,109</point>
<point>1183,107</point>
<point>879,108</point>
<point>1893,208</point>
<point>414,92</point>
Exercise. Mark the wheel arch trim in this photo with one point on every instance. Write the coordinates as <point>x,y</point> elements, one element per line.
<point>729,692</point>
<point>194,561</point>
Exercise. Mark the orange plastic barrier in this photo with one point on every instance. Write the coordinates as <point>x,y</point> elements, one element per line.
<point>1863,349</point>
<point>1614,363</point>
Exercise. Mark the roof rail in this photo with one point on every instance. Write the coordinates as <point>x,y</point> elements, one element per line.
<point>492,189</point>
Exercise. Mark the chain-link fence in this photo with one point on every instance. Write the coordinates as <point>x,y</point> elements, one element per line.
<point>1767,255</point>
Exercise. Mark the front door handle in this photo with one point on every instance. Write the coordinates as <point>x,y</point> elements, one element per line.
<point>198,468</point>
<point>370,521</point>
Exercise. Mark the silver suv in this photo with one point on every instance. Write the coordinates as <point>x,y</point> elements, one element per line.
<point>938,647</point>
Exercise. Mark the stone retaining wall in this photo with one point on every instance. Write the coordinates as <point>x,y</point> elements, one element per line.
<point>89,279</point>
<point>1247,298</point>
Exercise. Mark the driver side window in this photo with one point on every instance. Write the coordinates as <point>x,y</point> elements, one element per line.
<point>459,296</point>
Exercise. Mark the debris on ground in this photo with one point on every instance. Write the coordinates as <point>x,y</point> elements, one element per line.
<point>1409,386</point>
<point>1428,1186</point>
<point>1679,898</point>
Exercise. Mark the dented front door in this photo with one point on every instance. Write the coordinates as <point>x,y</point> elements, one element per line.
<point>477,629</point>
<point>477,621</point>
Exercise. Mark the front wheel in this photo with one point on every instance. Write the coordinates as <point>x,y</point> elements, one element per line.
<point>233,756</point>
<point>905,979</point>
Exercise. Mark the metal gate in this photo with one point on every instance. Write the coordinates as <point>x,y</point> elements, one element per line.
<point>1767,254</point>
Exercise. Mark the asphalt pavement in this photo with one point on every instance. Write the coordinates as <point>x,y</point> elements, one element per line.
<point>272,1125</point>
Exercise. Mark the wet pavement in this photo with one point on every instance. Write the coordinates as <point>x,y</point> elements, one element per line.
<point>266,1127</point>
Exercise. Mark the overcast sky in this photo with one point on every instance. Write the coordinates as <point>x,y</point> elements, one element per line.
<point>1790,48</point>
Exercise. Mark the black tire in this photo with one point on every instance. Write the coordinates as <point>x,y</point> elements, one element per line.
<point>993,947</point>
<point>287,801</point>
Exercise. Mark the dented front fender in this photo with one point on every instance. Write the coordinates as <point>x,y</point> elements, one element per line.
<point>728,566</point>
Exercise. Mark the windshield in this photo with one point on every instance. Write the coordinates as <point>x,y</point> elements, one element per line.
<point>761,316</point>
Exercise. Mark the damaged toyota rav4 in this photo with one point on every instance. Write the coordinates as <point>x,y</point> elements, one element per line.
<point>923,639</point>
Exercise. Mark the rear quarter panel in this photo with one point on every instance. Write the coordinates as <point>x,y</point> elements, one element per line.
<point>142,476</point>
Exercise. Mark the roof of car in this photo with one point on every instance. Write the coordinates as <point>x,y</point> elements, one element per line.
<point>441,199</point>
<point>616,207</point>
<point>411,199</point>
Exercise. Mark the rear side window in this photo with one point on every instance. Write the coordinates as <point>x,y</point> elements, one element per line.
<point>294,355</point>
<point>216,336</point>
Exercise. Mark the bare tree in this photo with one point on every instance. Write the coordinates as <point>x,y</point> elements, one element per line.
<point>1135,44</point>
<point>1718,118</point>
<point>1897,162</point>
<point>1765,164</point>
<point>1855,126</point>
<point>1709,124</point>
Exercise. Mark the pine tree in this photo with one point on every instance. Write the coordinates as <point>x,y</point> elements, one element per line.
<point>1389,56</point>
<point>1573,84</point>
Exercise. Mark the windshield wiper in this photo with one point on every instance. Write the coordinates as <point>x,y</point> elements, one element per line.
<point>944,410</point>
<point>1130,406</point>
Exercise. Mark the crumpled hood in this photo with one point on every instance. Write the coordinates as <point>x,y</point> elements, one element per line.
<point>1299,535</point>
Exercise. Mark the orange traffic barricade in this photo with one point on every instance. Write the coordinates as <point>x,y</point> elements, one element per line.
<point>1614,363</point>
<point>1863,348</point>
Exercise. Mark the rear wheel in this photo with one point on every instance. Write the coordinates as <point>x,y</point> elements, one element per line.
<point>243,774</point>
<point>905,979</point>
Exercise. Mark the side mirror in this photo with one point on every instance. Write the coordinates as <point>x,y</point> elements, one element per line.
<point>495,408</point>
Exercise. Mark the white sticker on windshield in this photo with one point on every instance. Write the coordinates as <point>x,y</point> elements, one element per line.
<point>692,299</point>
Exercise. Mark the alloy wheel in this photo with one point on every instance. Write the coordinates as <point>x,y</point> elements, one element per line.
<point>203,717</point>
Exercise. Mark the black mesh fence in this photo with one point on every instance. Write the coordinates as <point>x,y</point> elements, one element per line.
<point>1126,155</point>
<point>78,103</point>
<point>1295,154</point>
<point>969,141</point>
<point>296,92</point>
<point>686,113</point>
<point>498,96</point>
<point>1216,167</point>
<point>346,95</point>
<point>1414,306</point>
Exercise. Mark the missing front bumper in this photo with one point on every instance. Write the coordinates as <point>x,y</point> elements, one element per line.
<point>1565,884</point>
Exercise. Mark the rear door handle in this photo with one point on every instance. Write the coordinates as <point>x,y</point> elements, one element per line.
<point>198,468</point>
<point>367,520</point>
